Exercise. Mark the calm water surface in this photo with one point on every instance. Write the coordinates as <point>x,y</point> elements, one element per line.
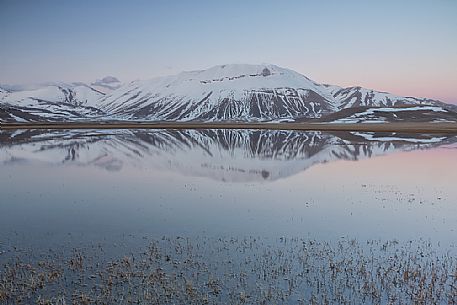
<point>102,184</point>
<point>67,189</point>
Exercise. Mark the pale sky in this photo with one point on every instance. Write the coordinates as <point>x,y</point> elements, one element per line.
<point>403,47</point>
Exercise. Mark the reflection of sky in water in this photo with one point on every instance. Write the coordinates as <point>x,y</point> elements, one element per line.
<point>208,188</point>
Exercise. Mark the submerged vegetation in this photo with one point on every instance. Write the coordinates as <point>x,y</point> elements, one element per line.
<point>251,270</point>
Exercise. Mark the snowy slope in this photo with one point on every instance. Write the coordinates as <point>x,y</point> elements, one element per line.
<point>39,111</point>
<point>50,102</point>
<point>227,92</point>
<point>412,113</point>
<point>59,93</point>
<point>358,96</point>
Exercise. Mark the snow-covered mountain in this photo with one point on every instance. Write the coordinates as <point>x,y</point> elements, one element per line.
<point>236,92</point>
<point>56,101</point>
<point>360,97</point>
<point>242,92</point>
<point>227,92</point>
<point>420,113</point>
<point>69,93</point>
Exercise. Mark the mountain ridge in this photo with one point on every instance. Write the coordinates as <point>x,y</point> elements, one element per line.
<point>235,92</point>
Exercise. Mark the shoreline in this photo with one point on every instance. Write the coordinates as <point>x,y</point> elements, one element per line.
<point>367,127</point>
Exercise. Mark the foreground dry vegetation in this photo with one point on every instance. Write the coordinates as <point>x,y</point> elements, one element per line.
<point>234,271</point>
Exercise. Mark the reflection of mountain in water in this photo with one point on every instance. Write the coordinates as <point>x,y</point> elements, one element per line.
<point>227,155</point>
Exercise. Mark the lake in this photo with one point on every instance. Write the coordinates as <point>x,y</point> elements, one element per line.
<point>227,216</point>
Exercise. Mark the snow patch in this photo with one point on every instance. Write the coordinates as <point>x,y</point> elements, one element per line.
<point>371,136</point>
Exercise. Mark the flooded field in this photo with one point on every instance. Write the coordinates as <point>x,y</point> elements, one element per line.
<point>227,216</point>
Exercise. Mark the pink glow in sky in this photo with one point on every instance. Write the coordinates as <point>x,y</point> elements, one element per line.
<point>403,47</point>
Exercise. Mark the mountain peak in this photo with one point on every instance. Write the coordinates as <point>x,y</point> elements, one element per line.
<point>238,70</point>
